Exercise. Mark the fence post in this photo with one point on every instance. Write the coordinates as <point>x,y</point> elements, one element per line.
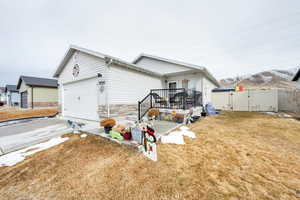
<point>150,98</point>
<point>139,111</point>
<point>184,98</point>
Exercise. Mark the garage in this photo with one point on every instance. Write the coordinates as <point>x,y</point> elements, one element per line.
<point>24,99</point>
<point>81,99</point>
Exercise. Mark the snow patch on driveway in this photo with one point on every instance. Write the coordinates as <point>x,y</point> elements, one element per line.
<point>13,158</point>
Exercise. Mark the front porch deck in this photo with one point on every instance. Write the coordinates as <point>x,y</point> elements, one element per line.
<point>179,99</point>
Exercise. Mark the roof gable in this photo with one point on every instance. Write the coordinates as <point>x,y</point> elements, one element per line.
<point>175,62</point>
<point>107,58</point>
<point>36,81</point>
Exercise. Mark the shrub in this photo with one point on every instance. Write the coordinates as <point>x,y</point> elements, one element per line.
<point>108,122</point>
<point>177,115</point>
<point>153,112</point>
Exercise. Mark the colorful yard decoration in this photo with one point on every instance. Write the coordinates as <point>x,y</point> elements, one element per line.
<point>116,135</point>
<point>150,149</point>
<point>239,88</point>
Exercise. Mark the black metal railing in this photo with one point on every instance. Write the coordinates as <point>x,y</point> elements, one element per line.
<point>179,98</point>
<point>144,105</point>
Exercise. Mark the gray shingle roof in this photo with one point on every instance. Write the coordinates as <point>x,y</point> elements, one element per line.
<point>12,88</point>
<point>297,76</point>
<point>36,81</point>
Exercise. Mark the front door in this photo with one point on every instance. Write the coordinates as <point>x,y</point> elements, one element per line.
<point>172,85</point>
<point>24,99</point>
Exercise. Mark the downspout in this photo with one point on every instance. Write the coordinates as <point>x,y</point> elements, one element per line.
<point>32,97</point>
<point>107,87</point>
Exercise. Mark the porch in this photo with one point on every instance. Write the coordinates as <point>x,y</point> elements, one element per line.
<point>179,99</point>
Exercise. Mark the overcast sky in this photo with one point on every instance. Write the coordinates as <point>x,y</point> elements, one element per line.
<point>230,38</point>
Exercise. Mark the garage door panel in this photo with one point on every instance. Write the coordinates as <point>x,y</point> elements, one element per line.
<point>80,99</point>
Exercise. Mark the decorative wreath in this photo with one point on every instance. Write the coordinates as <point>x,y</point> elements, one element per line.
<point>75,70</point>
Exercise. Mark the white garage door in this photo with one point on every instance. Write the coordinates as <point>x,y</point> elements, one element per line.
<point>80,99</point>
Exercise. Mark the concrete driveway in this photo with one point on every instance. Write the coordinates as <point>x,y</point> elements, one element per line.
<point>21,135</point>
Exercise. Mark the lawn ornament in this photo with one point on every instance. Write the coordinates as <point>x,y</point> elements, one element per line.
<point>75,126</point>
<point>150,143</point>
<point>137,134</point>
<point>116,135</point>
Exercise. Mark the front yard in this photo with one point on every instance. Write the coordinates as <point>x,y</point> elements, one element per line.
<point>13,113</point>
<point>237,155</point>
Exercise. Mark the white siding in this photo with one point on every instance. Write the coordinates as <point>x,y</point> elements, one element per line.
<point>208,86</point>
<point>88,66</point>
<point>127,86</point>
<point>194,81</point>
<point>160,66</point>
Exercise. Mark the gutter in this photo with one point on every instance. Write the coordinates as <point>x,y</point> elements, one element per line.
<point>109,62</point>
<point>31,97</point>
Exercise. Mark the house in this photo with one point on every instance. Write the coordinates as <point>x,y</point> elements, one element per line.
<point>93,85</point>
<point>2,95</point>
<point>178,74</point>
<point>37,92</point>
<point>12,95</point>
<point>297,79</point>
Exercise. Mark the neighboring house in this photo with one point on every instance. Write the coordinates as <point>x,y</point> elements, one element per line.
<point>93,85</point>
<point>12,95</point>
<point>2,95</point>
<point>37,92</point>
<point>297,79</point>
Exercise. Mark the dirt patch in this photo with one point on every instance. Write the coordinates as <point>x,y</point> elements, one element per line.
<point>12,114</point>
<point>235,156</point>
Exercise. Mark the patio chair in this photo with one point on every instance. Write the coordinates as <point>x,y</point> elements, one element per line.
<point>178,99</point>
<point>194,99</point>
<point>159,100</point>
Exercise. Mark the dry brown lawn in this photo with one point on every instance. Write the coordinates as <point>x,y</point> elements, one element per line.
<point>11,114</point>
<point>235,156</point>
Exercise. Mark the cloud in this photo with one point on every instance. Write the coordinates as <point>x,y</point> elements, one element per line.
<point>229,37</point>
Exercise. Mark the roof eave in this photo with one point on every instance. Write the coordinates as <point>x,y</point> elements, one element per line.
<point>297,76</point>
<point>191,66</point>
<point>132,66</point>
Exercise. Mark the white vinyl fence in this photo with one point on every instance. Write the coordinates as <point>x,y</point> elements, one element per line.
<point>247,100</point>
<point>289,100</point>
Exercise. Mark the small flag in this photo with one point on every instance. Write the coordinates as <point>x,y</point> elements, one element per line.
<point>239,88</point>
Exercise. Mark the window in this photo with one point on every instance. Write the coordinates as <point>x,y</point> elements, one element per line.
<point>172,85</point>
<point>185,84</point>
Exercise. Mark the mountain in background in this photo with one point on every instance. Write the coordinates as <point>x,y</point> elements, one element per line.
<point>267,79</point>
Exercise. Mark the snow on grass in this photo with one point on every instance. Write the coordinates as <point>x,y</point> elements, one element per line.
<point>176,137</point>
<point>83,135</point>
<point>13,158</point>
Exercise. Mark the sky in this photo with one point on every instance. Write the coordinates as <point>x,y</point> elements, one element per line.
<point>230,38</point>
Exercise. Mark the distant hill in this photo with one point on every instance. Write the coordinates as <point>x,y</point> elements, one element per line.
<point>267,79</point>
